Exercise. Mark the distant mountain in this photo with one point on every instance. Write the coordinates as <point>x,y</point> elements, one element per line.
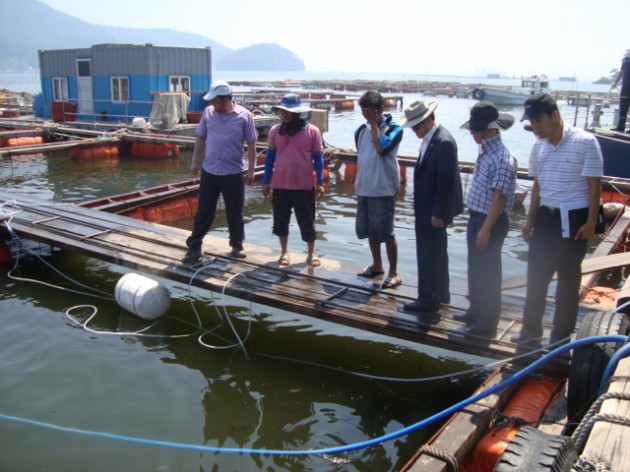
<point>261,57</point>
<point>27,26</point>
<point>604,81</point>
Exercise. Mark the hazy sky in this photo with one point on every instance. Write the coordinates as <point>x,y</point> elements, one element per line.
<point>578,38</point>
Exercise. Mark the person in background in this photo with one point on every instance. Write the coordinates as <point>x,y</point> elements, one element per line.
<point>624,93</point>
<point>377,184</point>
<point>438,199</point>
<point>294,150</point>
<point>489,198</point>
<point>224,128</point>
<point>566,164</point>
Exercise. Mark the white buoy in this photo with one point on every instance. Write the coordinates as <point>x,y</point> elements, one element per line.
<point>142,296</point>
<point>139,122</point>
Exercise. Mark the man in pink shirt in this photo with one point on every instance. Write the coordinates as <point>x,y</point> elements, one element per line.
<point>295,149</point>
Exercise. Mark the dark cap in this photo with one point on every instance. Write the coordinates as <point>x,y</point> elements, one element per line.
<point>537,104</point>
<point>485,115</point>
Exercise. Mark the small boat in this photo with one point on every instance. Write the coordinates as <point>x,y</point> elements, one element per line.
<point>616,150</point>
<point>512,95</point>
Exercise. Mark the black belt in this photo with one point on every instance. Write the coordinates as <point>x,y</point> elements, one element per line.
<point>550,210</point>
<point>476,213</point>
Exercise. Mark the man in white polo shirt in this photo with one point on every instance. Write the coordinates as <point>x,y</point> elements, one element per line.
<point>566,164</point>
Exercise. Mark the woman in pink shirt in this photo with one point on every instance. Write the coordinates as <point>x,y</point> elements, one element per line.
<point>294,151</point>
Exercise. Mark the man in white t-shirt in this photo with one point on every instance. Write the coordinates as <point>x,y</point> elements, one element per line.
<point>566,164</point>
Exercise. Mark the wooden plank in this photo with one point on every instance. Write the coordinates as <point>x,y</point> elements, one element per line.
<point>611,261</point>
<point>611,242</point>
<point>608,441</point>
<point>20,133</point>
<point>600,259</point>
<point>590,265</point>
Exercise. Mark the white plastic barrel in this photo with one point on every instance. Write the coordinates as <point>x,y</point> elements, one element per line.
<point>142,296</point>
<point>139,122</point>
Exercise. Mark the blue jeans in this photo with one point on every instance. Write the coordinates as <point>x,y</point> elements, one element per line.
<point>211,186</point>
<point>550,252</point>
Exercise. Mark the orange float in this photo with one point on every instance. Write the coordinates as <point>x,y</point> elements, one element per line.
<point>344,105</point>
<point>22,141</point>
<point>390,102</point>
<point>326,175</point>
<point>94,152</point>
<point>528,405</point>
<point>10,113</point>
<point>154,150</point>
<point>260,160</point>
<point>403,173</point>
<point>350,172</point>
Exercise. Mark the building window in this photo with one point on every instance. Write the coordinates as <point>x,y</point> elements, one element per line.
<point>120,89</point>
<point>60,89</point>
<point>179,83</point>
<point>84,67</point>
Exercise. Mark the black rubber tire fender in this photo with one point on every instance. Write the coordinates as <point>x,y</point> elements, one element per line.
<point>479,94</point>
<point>588,363</point>
<point>532,450</point>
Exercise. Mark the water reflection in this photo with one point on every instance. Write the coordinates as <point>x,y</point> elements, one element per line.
<point>291,390</point>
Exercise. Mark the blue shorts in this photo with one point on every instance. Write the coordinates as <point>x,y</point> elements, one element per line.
<point>375,218</point>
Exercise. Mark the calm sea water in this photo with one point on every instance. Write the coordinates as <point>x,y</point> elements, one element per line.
<point>293,389</point>
<point>30,82</point>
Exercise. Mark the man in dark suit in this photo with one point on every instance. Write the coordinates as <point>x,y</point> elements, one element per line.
<point>438,198</point>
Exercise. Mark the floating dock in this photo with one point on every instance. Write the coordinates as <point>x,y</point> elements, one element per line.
<point>331,292</point>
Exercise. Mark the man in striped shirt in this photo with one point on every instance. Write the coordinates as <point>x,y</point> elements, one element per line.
<point>566,164</point>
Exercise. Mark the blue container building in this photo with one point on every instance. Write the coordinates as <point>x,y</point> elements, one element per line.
<point>117,82</point>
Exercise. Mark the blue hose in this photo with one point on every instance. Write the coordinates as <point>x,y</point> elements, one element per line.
<point>360,445</point>
<point>612,365</point>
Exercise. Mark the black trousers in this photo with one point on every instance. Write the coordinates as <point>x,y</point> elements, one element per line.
<point>485,271</point>
<point>432,256</point>
<point>549,252</point>
<point>211,186</point>
<point>300,201</point>
<point>624,106</point>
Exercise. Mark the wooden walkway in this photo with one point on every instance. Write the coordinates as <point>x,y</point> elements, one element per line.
<point>610,424</point>
<point>331,292</point>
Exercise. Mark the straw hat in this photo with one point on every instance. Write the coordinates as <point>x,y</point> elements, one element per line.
<point>417,112</point>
